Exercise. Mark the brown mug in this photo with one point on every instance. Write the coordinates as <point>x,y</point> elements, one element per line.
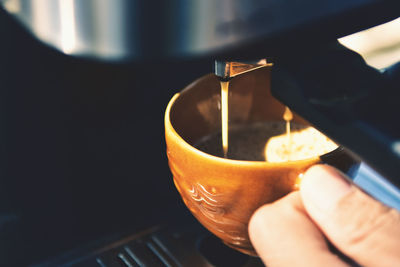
<point>223,193</point>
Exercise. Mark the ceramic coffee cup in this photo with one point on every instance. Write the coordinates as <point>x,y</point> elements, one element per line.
<point>223,193</point>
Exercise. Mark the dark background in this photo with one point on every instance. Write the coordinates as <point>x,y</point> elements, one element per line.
<point>82,150</point>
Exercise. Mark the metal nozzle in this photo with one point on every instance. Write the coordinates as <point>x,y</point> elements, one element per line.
<point>226,70</point>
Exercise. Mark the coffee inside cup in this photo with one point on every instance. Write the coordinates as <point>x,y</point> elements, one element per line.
<point>268,141</point>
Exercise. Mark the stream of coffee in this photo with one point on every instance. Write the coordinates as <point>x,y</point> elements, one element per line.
<point>224,116</point>
<point>288,116</point>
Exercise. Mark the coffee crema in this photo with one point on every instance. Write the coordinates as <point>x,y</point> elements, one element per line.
<point>267,141</point>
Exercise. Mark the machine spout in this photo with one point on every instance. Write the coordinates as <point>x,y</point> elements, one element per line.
<point>226,70</point>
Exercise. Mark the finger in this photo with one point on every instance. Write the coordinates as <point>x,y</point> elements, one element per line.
<point>356,224</point>
<point>283,235</point>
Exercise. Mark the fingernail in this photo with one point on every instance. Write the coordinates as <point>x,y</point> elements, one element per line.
<point>323,186</point>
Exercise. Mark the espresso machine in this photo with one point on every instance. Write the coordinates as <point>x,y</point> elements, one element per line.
<point>84,84</point>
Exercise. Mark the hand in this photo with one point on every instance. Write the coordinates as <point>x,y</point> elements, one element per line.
<point>294,230</point>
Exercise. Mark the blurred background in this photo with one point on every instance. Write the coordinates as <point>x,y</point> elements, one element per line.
<point>379,45</point>
<point>82,151</point>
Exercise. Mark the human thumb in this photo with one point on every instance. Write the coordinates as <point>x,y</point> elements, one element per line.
<point>359,226</point>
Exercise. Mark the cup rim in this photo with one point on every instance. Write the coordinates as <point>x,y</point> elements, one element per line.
<point>169,128</point>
